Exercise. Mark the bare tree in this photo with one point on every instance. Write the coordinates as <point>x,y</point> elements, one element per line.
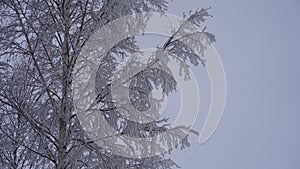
<point>40,41</point>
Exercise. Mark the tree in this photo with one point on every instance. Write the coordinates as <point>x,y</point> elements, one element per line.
<point>40,41</point>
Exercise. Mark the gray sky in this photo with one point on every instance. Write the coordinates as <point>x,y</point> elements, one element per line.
<point>258,42</point>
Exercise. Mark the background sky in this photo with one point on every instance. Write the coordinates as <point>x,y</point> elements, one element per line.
<point>258,42</point>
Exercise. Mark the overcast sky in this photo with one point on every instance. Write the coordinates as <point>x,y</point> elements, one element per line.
<point>258,42</point>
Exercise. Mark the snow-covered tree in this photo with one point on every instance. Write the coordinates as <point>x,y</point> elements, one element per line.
<point>40,41</point>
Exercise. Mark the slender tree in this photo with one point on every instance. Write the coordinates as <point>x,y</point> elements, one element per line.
<point>40,41</point>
